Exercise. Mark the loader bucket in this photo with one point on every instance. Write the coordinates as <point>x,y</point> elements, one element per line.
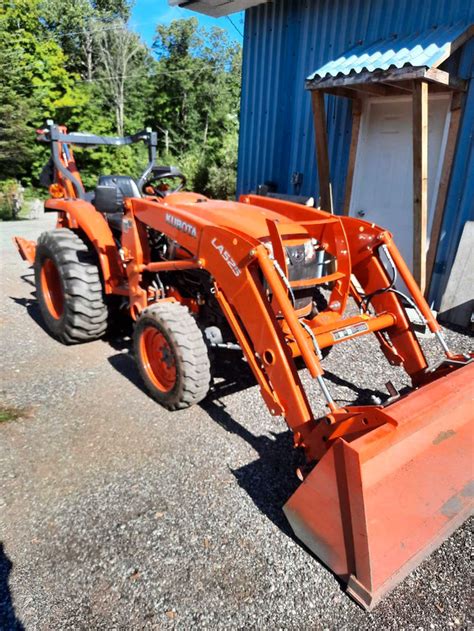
<point>374,507</point>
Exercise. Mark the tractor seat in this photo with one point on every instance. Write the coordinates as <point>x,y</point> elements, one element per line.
<point>109,196</point>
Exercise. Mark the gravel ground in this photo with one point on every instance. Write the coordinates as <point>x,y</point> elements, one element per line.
<point>116,514</point>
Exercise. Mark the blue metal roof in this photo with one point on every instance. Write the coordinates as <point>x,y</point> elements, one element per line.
<point>426,49</point>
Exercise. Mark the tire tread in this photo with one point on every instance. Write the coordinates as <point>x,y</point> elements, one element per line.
<point>191,351</point>
<point>85,316</point>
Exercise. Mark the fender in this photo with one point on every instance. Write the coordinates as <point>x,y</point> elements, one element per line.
<point>79,214</point>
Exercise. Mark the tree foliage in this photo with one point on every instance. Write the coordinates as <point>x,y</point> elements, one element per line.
<point>81,65</point>
<point>195,98</point>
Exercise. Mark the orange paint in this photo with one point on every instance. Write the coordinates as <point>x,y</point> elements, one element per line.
<point>158,359</point>
<point>52,289</point>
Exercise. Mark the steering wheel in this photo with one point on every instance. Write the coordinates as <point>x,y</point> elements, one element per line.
<point>154,179</point>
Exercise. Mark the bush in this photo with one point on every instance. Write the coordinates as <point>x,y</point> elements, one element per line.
<point>212,172</point>
<point>11,199</point>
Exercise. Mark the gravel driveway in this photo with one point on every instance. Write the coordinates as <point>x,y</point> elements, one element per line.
<point>117,514</point>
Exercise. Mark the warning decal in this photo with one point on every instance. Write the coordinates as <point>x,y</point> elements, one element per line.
<point>349,331</point>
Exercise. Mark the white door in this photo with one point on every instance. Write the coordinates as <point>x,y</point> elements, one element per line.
<point>382,190</point>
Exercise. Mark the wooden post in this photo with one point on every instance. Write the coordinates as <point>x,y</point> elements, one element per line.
<point>420,181</point>
<point>443,187</point>
<point>319,116</point>
<point>356,114</point>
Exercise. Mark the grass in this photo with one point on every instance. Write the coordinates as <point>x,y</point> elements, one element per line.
<point>9,413</point>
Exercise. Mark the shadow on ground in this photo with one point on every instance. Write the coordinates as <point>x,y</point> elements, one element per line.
<point>8,618</point>
<point>120,327</point>
<point>32,308</point>
<point>271,479</point>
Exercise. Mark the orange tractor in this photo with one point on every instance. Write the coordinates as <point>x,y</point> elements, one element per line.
<point>385,483</point>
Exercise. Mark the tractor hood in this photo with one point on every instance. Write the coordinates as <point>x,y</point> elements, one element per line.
<point>249,219</point>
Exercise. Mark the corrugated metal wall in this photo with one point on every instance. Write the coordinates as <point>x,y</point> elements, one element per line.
<point>287,40</point>
<point>460,201</point>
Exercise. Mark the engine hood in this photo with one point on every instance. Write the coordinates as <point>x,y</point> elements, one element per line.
<point>248,219</point>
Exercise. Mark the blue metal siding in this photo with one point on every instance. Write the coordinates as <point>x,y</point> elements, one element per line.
<point>460,201</point>
<point>284,42</point>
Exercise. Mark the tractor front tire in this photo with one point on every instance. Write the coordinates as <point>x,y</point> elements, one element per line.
<point>171,355</point>
<point>69,287</point>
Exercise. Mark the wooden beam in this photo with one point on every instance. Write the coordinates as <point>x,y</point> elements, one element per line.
<point>405,87</point>
<point>377,76</point>
<point>356,116</point>
<point>420,181</point>
<point>348,94</point>
<point>408,73</point>
<point>378,89</point>
<point>319,116</point>
<point>444,78</point>
<point>439,88</point>
<point>374,89</point>
<point>443,188</point>
<point>457,100</point>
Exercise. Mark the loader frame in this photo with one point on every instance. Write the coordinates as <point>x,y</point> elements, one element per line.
<point>66,172</point>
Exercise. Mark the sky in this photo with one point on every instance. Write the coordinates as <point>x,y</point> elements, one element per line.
<point>147,14</point>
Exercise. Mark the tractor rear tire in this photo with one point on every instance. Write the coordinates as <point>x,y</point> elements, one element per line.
<point>69,287</point>
<point>172,355</point>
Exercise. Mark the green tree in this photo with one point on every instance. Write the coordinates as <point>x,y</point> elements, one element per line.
<point>75,25</point>
<point>34,81</point>
<point>196,97</point>
<point>120,56</point>
<point>15,141</point>
<point>79,64</point>
<point>116,8</point>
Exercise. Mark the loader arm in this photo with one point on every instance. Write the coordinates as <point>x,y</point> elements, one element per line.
<point>233,262</point>
<point>367,456</point>
<point>269,331</point>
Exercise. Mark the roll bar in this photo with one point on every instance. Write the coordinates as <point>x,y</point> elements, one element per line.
<point>54,135</point>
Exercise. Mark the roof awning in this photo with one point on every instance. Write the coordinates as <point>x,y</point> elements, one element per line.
<point>394,60</point>
<point>216,8</point>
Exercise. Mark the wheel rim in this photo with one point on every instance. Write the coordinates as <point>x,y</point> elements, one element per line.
<point>52,289</point>
<point>158,359</point>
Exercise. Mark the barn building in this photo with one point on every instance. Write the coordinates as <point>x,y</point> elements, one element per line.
<point>386,85</point>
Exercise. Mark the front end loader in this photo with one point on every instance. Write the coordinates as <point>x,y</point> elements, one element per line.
<point>384,484</point>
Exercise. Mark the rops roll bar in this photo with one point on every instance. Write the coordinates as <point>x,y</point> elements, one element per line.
<point>54,135</point>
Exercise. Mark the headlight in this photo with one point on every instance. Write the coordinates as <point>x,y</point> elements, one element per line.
<point>304,253</point>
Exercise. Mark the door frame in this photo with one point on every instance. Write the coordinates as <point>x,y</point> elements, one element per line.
<point>366,102</point>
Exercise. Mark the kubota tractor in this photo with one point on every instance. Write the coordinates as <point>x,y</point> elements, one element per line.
<point>385,483</point>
